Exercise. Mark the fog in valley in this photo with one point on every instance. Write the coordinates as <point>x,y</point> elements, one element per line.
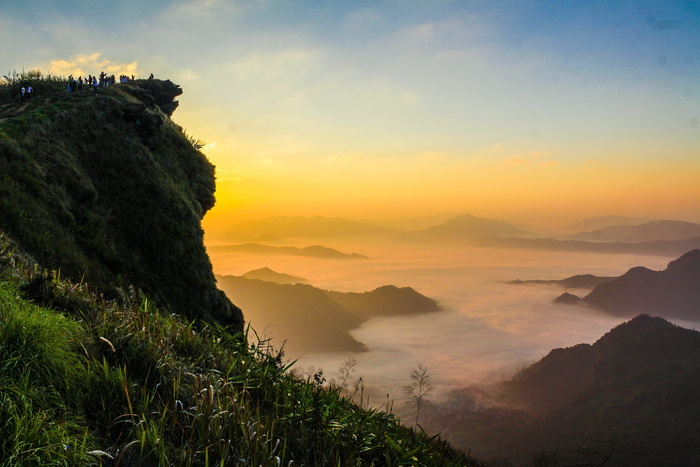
<point>487,328</point>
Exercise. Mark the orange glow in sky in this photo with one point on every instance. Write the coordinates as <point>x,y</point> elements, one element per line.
<point>532,112</point>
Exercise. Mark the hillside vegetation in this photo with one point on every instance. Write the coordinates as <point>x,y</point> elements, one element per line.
<point>84,381</point>
<point>106,188</point>
<point>116,348</point>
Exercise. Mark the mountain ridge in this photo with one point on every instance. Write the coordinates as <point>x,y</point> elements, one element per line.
<point>594,223</point>
<point>465,227</point>
<point>663,230</point>
<point>606,400</point>
<point>311,319</point>
<point>671,293</point>
<point>316,251</point>
<point>285,227</point>
<point>267,274</point>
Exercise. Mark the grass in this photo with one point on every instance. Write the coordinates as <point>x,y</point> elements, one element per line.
<point>148,364</point>
<point>86,381</point>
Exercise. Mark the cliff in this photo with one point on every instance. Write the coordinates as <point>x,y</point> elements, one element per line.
<point>105,188</point>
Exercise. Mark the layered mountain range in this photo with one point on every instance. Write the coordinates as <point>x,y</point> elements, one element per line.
<point>310,319</point>
<point>630,398</point>
<point>673,293</point>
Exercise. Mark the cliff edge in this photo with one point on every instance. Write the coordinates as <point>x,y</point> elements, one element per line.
<point>105,188</point>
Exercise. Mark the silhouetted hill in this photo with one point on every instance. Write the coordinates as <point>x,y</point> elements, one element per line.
<point>283,227</point>
<point>580,281</point>
<point>601,222</point>
<point>632,394</point>
<point>314,251</point>
<point>109,190</point>
<point>387,300</point>
<point>416,223</point>
<point>306,317</point>
<point>672,293</point>
<point>640,345</point>
<point>267,274</point>
<point>648,232</point>
<point>466,227</point>
<point>661,248</point>
<point>315,320</point>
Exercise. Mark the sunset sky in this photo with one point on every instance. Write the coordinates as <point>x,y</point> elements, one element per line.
<point>530,111</point>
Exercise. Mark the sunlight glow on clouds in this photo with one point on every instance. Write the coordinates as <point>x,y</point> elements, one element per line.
<point>85,64</point>
<point>314,102</point>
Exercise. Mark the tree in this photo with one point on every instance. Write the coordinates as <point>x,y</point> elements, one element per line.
<point>418,390</point>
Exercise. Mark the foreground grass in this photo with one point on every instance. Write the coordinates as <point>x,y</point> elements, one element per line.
<point>89,382</point>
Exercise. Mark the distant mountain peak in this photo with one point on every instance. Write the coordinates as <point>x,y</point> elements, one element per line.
<point>467,226</point>
<point>663,230</point>
<point>672,293</point>
<point>269,275</point>
<point>635,327</point>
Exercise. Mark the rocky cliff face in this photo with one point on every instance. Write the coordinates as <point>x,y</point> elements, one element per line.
<point>107,189</point>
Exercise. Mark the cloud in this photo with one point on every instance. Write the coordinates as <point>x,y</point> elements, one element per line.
<point>550,163</point>
<point>447,34</point>
<point>284,65</point>
<point>84,64</point>
<point>201,9</point>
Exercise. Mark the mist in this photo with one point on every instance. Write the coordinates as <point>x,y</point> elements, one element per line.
<point>487,329</point>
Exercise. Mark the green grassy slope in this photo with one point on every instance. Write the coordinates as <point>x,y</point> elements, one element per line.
<point>84,381</point>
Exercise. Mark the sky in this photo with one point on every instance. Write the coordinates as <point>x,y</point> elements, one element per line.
<point>528,111</point>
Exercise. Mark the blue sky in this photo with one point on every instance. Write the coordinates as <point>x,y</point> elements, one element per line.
<point>396,106</point>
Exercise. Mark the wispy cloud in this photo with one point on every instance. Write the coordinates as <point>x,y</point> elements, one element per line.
<point>94,63</point>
